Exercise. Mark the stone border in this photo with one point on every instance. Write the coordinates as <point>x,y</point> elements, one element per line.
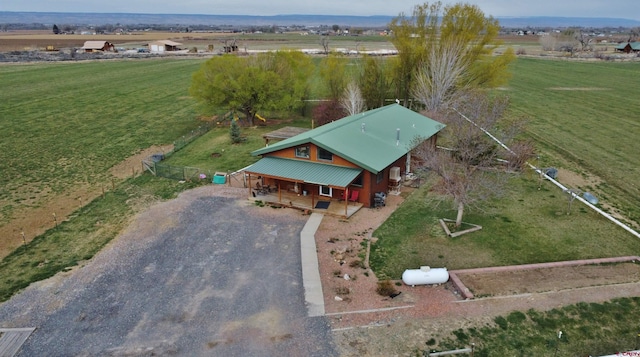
<point>467,295</point>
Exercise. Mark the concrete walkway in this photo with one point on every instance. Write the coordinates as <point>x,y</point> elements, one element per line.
<point>310,271</point>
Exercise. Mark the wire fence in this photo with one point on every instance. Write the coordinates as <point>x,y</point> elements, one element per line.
<point>191,136</point>
<point>155,167</point>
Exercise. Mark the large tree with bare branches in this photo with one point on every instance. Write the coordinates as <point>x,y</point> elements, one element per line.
<point>441,50</point>
<point>352,101</point>
<point>467,161</point>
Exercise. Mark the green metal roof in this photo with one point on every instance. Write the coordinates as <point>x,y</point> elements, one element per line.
<point>369,139</point>
<point>634,45</point>
<point>305,171</point>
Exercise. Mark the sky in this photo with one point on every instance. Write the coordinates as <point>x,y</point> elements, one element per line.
<point>626,9</point>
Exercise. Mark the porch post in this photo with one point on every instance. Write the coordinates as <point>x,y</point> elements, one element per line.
<point>346,200</point>
<point>313,196</point>
<point>279,193</point>
<point>408,164</point>
<point>249,185</point>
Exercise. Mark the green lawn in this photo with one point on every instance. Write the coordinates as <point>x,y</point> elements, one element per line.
<point>229,157</point>
<point>525,226</point>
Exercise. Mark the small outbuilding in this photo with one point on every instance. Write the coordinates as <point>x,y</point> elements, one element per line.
<point>164,46</point>
<point>628,47</point>
<point>98,46</point>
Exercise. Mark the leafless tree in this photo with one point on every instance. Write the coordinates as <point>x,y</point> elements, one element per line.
<point>441,75</point>
<point>548,42</point>
<point>584,40</point>
<point>519,153</point>
<point>469,168</point>
<point>324,42</point>
<point>352,101</point>
<point>634,33</point>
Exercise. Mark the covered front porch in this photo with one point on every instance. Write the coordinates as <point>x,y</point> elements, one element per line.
<point>304,185</point>
<point>284,198</point>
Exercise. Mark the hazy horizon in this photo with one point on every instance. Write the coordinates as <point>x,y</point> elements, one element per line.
<point>622,9</point>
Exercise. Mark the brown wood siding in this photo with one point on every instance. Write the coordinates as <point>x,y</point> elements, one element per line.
<point>378,187</point>
<point>369,179</point>
<point>290,153</point>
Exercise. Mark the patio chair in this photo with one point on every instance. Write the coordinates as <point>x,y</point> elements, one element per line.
<point>262,190</point>
<point>353,196</point>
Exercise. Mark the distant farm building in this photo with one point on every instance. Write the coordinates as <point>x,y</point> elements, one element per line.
<point>98,46</point>
<point>164,46</point>
<point>628,47</point>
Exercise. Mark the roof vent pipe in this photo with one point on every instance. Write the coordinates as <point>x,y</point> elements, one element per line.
<point>397,136</point>
<point>362,127</point>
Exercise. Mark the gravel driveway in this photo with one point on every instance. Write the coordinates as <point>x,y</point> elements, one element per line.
<point>205,274</point>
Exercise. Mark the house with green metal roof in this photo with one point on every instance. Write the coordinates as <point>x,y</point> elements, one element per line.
<point>628,47</point>
<point>348,160</point>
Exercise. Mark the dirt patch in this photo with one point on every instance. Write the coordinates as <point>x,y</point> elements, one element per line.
<point>571,179</point>
<point>549,279</point>
<point>589,183</point>
<point>28,223</point>
<point>132,164</point>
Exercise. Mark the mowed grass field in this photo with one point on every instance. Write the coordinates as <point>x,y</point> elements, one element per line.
<point>66,124</point>
<point>585,116</point>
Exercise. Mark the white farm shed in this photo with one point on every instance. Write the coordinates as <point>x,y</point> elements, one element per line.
<point>163,46</point>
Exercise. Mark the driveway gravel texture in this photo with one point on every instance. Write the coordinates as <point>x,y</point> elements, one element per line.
<point>206,274</point>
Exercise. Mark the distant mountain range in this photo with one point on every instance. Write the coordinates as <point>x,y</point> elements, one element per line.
<point>49,18</point>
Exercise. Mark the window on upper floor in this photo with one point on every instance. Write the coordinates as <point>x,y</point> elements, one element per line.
<point>302,152</point>
<point>325,155</point>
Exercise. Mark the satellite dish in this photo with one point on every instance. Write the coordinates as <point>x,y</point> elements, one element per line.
<point>397,101</point>
<point>590,198</point>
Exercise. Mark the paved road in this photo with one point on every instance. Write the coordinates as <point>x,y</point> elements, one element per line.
<point>198,276</point>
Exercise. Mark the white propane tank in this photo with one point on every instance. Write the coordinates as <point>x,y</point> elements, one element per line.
<point>425,275</point>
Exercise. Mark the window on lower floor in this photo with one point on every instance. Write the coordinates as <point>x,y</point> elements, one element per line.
<point>326,191</point>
